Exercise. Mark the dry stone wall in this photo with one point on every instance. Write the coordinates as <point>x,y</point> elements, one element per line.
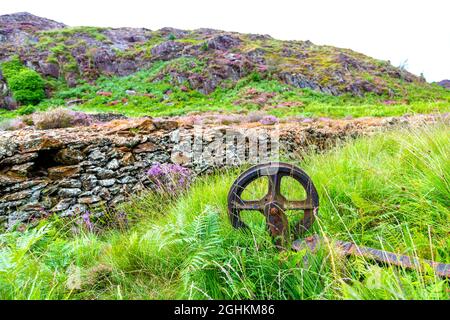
<point>67,171</point>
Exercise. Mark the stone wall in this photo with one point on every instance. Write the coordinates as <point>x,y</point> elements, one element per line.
<point>67,171</point>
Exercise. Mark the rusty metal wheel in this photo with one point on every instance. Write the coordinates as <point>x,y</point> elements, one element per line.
<point>273,205</point>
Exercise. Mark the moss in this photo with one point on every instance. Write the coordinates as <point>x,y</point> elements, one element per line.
<point>190,41</point>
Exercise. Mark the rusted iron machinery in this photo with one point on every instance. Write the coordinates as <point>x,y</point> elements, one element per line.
<point>274,205</point>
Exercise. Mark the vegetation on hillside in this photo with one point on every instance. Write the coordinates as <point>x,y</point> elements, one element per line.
<point>169,72</point>
<point>150,92</point>
<point>388,191</point>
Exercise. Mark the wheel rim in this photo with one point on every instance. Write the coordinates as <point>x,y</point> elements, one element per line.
<point>273,205</point>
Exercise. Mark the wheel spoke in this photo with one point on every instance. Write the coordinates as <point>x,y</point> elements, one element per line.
<point>274,185</point>
<point>298,205</point>
<point>249,204</point>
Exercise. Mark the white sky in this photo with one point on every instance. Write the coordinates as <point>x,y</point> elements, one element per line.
<point>395,30</point>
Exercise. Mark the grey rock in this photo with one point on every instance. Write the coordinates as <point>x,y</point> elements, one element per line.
<point>105,173</point>
<point>63,204</point>
<point>18,217</point>
<point>89,200</point>
<point>19,159</point>
<point>75,210</point>
<point>128,180</point>
<point>69,192</point>
<point>88,181</point>
<point>70,183</point>
<point>113,165</point>
<point>97,156</point>
<point>107,182</point>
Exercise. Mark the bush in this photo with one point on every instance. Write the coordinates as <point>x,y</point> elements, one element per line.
<point>11,67</point>
<point>26,85</point>
<point>26,110</point>
<point>60,118</point>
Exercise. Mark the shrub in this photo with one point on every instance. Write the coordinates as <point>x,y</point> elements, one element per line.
<point>204,46</point>
<point>169,178</point>
<point>26,85</point>
<point>26,110</point>
<point>255,76</point>
<point>11,67</point>
<point>61,118</point>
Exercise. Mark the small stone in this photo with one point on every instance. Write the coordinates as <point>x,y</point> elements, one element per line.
<point>113,165</point>
<point>89,200</point>
<point>105,173</point>
<point>9,205</point>
<point>63,204</point>
<point>19,159</point>
<point>104,193</point>
<point>74,210</point>
<point>18,216</point>
<point>97,155</point>
<point>145,147</point>
<point>69,192</point>
<point>69,156</point>
<point>88,181</point>
<point>70,183</point>
<point>117,200</point>
<point>127,159</point>
<point>107,182</point>
<point>60,172</point>
<point>115,190</point>
<point>166,124</point>
<point>85,194</point>
<point>21,169</point>
<point>127,180</point>
<point>17,196</point>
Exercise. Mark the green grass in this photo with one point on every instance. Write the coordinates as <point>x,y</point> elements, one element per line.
<point>153,99</point>
<point>388,191</point>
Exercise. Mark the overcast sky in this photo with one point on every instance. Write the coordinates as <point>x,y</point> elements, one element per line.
<point>395,30</point>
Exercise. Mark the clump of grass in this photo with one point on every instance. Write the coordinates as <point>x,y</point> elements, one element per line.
<point>389,191</point>
<point>60,118</point>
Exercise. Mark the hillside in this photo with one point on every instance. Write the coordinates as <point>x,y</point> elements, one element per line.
<point>120,148</point>
<point>170,69</point>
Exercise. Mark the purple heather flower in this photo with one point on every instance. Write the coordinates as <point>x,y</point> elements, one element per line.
<point>269,120</point>
<point>169,178</point>
<point>86,217</point>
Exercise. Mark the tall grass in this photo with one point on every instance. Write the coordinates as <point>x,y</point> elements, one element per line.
<point>390,191</point>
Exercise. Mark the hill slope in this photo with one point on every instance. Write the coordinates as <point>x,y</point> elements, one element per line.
<point>201,60</point>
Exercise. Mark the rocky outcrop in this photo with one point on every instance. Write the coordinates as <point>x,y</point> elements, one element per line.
<point>85,53</point>
<point>444,83</point>
<point>68,171</point>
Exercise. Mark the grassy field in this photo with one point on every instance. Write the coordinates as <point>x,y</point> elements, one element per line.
<point>145,93</point>
<point>390,191</point>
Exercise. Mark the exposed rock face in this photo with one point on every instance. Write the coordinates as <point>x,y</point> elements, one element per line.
<point>444,83</point>
<point>85,53</point>
<point>66,171</point>
<point>16,28</point>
